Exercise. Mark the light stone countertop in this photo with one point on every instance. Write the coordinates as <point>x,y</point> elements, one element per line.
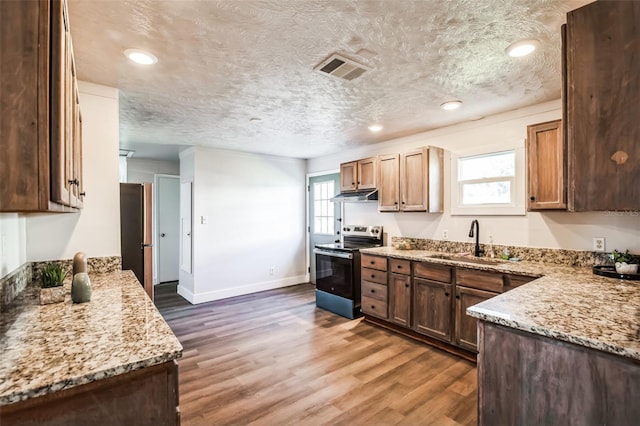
<point>49,348</point>
<point>567,303</point>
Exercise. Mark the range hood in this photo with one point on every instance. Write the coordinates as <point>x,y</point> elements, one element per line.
<point>368,196</point>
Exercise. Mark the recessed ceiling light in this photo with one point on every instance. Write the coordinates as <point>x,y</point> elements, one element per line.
<point>375,127</point>
<point>522,47</point>
<point>140,56</point>
<point>451,105</point>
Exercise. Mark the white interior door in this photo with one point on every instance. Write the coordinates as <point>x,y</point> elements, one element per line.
<point>185,227</point>
<point>168,238</point>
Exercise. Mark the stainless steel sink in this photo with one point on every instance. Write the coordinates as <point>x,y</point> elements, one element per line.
<point>468,259</point>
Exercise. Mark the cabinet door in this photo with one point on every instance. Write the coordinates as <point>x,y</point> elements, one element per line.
<point>432,308</point>
<point>61,106</point>
<point>389,187</point>
<point>400,299</point>
<point>603,94</point>
<point>466,334</point>
<point>367,173</point>
<point>546,166</point>
<point>348,176</point>
<point>413,181</point>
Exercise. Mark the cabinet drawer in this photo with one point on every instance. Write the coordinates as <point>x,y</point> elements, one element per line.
<point>374,291</point>
<point>432,271</point>
<point>374,307</point>
<point>374,275</point>
<point>489,281</point>
<point>374,262</point>
<point>398,266</point>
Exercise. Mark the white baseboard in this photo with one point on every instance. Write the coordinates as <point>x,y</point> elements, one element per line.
<point>242,290</point>
<point>186,294</point>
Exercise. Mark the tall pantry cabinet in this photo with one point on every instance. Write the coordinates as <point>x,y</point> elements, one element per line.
<point>41,122</point>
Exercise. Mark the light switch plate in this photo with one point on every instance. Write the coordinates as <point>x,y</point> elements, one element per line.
<point>598,244</point>
<point>204,220</point>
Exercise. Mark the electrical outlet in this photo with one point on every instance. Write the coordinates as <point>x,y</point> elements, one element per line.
<point>272,270</point>
<point>598,244</point>
<point>445,234</point>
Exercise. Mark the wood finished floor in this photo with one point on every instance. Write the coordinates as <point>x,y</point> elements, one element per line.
<point>273,358</point>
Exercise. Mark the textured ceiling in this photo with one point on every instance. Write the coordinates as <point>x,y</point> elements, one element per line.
<point>221,63</point>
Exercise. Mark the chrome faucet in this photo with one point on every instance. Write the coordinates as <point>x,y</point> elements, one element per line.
<point>478,251</point>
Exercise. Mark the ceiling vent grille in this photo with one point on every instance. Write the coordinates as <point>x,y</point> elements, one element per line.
<point>341,67</point>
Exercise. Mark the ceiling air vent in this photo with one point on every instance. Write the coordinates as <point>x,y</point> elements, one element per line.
<point>341,67</point>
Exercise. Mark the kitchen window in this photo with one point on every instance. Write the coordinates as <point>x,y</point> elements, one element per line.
<point>488,183</point>
<point>323,208</point>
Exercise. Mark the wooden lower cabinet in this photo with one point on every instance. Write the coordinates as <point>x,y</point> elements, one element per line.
<point>466,334</point>
<point>148,396</point>
<point>528,379</point>
<point>374,299</point>
<point>432,313</point>
<point>400,299</point>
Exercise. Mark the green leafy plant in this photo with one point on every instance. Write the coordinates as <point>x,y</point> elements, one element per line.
<point>625,257</point>
<point>53,275</point>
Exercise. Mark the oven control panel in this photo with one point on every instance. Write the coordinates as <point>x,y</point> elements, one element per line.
<point>362,231</point>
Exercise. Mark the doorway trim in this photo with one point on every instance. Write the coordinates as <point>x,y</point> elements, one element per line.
<point>156,243</point>
<point>307,239</point>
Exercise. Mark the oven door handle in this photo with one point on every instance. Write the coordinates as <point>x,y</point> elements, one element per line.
<point>333,253</point>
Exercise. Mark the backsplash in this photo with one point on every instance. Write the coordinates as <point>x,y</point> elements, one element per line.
<point>529,254</point>
<point>14,283</point>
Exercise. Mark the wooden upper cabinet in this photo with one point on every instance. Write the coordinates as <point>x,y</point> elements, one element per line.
<point>359,175</point>
<point>412,181</point>
<point>40,166</point>
<point>601,106</point>
<point>348,176</point>
<point>367,173</point>
<point>546,166</point>
<point>389,178</point>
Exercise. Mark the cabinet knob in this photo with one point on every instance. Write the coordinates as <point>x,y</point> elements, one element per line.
<point>74,182</point>
<point>373,276</point>
<point>457,297</point>
<point>373,263</point>
<point>446,294</point>
<point>373,291</point>
<point>532,198</point>
<point>399,266</point>
<point>403,202</point>
<point>373,307</point>
<point>395,202</point>
<point>406,285</point>
<point>83,194</point>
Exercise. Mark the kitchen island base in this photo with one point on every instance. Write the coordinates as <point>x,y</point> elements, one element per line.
<point>529,379</point>
<point>148,396</point>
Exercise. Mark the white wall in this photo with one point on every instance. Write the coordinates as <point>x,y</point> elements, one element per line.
<point>254,206</point>
<point>140,170</point>
<point>551,230</point>
<point>13,242</point>
<point>95,230</point>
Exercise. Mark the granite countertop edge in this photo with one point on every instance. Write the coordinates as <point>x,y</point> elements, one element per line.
<point>561,303</point>
<point>121,317</point>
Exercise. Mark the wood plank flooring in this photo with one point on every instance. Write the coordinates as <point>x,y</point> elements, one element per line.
<point>273,358</point>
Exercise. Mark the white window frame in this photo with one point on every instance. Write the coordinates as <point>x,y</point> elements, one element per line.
<point>330,209</point>
<point>517,205</point>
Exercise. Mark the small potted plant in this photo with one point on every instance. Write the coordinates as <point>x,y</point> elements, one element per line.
<point>52,291</point>
<point>626,263</point>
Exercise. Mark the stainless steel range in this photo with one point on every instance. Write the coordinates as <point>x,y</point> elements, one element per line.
<point>338,269</point>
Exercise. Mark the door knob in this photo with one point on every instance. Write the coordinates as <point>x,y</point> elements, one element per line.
<point>163,234</point>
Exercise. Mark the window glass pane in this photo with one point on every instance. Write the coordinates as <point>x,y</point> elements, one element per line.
<point>487,166</point>
<point>323,208</point>
<point>486,193</point>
